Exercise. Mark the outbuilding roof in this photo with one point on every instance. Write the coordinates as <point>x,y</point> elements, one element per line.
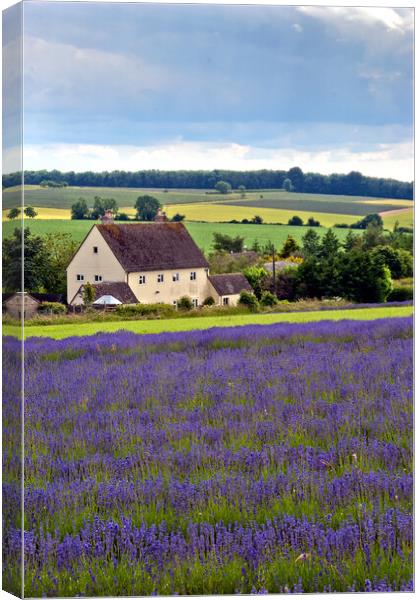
<point>228,284</point>
<point>152,246</point>
<point>7,297</point>
<point>281,265</point>
<point>119,289</point>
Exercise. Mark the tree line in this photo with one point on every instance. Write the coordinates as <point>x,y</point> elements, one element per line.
<point>46,260</point>
<point>147,208</point>
<point>361,268</point>
<point>353,183</point>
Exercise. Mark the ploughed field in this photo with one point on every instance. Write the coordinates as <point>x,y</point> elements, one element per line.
<point>274,206</point>
<point>64,197</point>
<point>266,458</point>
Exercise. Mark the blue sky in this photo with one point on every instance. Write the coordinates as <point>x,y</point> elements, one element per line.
<point>131,86</point>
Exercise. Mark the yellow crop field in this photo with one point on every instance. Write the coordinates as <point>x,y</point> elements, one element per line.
<point>59,213</point>
<point>405,218</point>
<point>213,213</point>
<point>390,201</point>
<point>44,213</point>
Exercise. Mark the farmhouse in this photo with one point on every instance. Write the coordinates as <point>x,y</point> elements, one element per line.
<point>147,263</point>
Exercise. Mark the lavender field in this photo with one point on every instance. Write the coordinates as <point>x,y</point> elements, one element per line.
<point>258,459</point>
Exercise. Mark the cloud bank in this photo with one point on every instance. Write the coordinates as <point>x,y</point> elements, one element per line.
<point>386,160</point>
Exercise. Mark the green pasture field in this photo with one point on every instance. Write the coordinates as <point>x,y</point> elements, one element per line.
<point>161,325</point>
<point>202,233</point>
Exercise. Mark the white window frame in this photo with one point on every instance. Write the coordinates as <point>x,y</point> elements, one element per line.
<point>193,276</point>
<point>80,277</point>
<point>225,301</point>
<point>195,302</point>
<point>175,276</point>
<point>98,278</point>
<point>142,279</point>
<point>160,278</point>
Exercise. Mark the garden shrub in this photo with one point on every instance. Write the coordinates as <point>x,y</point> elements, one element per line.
<point>268,299</point>
<point>185,303</point>
<point>56,308</point>
<point>401,294</point>
<point>209,301</point>
<point>249,299</point>
<point>142,310</point>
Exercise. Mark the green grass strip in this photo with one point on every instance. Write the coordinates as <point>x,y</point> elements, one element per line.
<point>161,325</point>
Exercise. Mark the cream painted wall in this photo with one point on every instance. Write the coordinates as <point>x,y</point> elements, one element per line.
<point>89,264</point>
<point>233,299</point>
<point>151,291</point>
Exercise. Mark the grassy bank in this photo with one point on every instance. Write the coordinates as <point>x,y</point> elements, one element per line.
<point>161,325</point>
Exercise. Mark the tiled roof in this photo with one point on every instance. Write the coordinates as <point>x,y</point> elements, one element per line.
<point>152,246</point>
<point>230,283</point>
<point>119,289</point>
<point>281,265</point>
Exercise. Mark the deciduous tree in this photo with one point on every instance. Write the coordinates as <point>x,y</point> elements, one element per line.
<point>223,187</point>
<point>13,213</point>
<point>36,262</point>
<point>30,212</point>
<point>80,210</point>
<point>295,220</point>
<point>226,243</point>
<point>146,208</point>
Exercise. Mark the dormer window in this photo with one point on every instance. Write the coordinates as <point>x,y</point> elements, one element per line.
<point>95,249</point>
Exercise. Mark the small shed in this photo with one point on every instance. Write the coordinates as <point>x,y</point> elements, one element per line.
<point>21,305</point>
<point>228,287</point>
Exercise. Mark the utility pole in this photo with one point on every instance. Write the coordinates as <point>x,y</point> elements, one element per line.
<point>273,250</point>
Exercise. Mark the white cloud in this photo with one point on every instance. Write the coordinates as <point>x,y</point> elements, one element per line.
<point>344,16</point>
<point>385,160</point>
<point>298,28</point>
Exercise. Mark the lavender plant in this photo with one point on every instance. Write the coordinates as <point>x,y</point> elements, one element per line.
<point>260,459</point>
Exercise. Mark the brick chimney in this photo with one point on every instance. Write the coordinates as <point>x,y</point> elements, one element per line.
<point>108,217</point>
<point>161,216</point>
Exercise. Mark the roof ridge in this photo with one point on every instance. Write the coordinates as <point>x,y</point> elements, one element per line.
<point>152,246</point>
